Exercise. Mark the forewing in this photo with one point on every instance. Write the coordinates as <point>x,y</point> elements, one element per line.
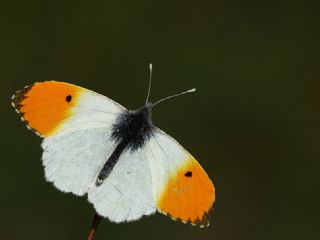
<point>181,188</point>
<point>51,108</point>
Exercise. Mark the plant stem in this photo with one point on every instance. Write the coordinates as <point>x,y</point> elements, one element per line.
<point>94,226</point>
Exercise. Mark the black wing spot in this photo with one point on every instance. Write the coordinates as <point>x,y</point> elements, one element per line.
<point>68,98</point>
<point>188,174</point>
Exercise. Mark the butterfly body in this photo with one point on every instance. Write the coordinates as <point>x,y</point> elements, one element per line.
<point>125,165</point>
<point>131,130</point>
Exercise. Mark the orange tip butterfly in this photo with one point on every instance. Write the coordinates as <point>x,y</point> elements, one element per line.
<point>127,166</point>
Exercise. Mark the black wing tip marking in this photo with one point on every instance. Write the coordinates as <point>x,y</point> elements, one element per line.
<point>16,100</point>
<point>19,96</point>
<point>202,223</point>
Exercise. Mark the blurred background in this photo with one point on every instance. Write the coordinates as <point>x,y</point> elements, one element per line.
<point>253,124</point>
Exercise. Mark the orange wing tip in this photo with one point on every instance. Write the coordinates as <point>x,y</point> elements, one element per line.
<point>188,195</point>
<point>44,106</point>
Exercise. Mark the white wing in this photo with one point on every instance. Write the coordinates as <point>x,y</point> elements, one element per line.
<point>126,195</point>
<point>152,178</point>
<point>76,124</point>
<point>72,161</point>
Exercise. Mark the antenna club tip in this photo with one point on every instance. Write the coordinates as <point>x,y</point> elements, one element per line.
<point>192,90</point>
<point>150,65</point>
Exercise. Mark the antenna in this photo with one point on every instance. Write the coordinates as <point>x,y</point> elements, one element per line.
<point>175,95</point>
<point>166,98</point>
<point>150,78</point>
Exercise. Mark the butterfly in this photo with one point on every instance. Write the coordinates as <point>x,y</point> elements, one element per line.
<point>125,165</point>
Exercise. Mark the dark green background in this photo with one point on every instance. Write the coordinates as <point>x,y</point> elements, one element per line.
<point>253,124</point>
